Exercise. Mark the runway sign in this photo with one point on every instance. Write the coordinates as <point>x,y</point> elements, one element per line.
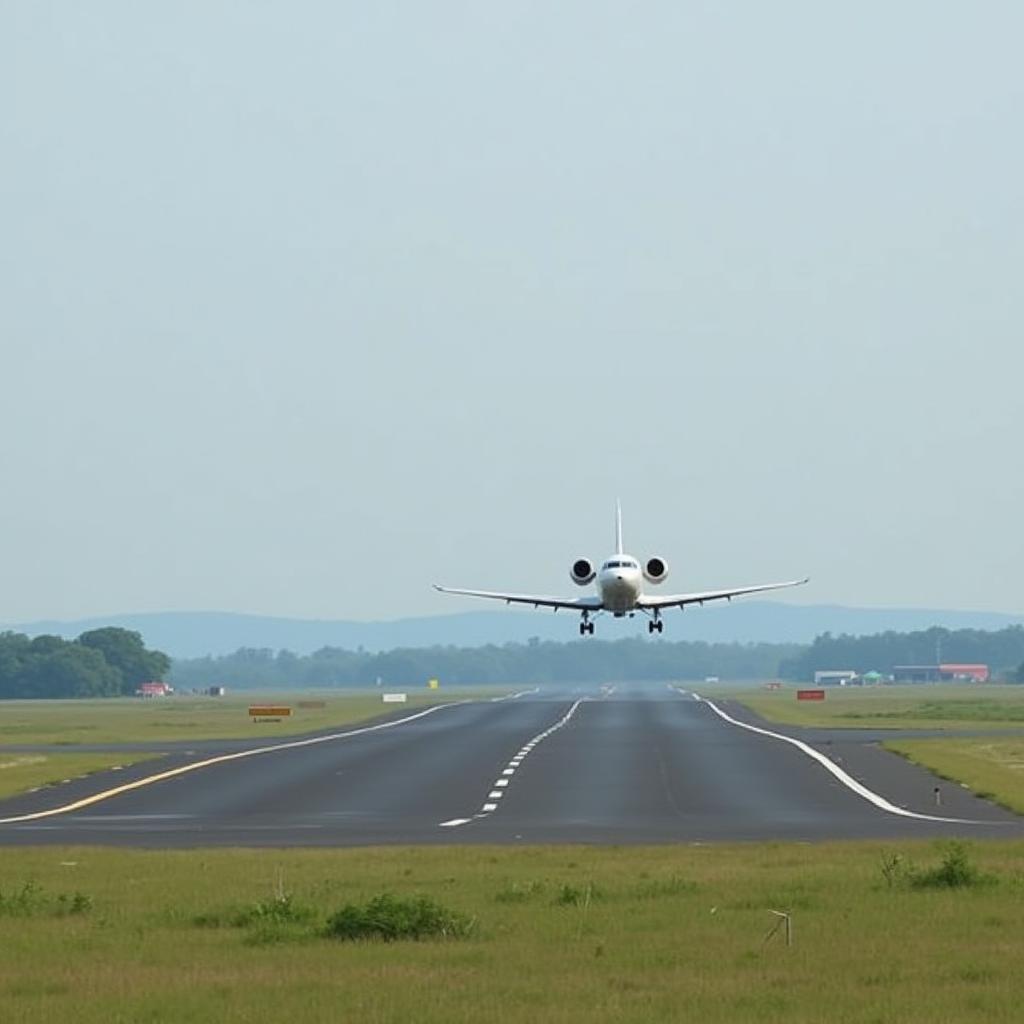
<point>269,711</point>
<point>393,698</point>
<point>433,684</point>
<point>810,694</point>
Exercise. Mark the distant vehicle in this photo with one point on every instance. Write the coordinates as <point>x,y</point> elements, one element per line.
<point>620,589</point>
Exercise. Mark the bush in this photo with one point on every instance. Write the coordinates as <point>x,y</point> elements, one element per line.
<point>954,872</point>
<point>391,918</point>
<point>32,899</point>
<point>24,902</point>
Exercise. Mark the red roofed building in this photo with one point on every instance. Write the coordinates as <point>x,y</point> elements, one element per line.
<point>152,690</point>
<point>975,673</point>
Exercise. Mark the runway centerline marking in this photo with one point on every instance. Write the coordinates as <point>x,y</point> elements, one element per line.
<point>489,808</point>
<point>847,780</point>
<point>171,773</point>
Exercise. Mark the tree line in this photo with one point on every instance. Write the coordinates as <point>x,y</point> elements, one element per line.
<point>112,662</point>
<point>537,662</point>
<point>1002,650</point>
<point>534,662</point>
<point>106,662</point>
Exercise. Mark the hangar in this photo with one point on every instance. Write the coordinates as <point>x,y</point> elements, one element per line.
<point>944,673</point>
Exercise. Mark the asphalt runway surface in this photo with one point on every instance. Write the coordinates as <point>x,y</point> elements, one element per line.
<point>630,764</point>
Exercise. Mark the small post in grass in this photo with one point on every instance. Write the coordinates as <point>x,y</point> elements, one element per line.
<point>938,797</point>
<point>788,919</point>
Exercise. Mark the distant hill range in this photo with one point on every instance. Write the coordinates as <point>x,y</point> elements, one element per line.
<point>195,634</point>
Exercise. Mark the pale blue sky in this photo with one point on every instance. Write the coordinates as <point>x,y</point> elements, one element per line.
<point>305,306</point>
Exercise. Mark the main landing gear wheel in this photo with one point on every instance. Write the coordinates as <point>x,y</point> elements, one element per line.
<point>586,627</point>
<point>655,626</point>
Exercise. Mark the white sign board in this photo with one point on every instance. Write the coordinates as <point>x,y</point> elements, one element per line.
<point>393,698</point>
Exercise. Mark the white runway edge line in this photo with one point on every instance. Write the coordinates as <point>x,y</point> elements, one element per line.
<point>514,696</point>
<point>507,773</point>
<point>221,759</point>
<point>851,783</point>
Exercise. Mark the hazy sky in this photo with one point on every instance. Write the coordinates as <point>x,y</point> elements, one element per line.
<point>304,306</point>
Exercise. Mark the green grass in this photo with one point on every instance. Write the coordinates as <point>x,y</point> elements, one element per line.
<point>133,720</point>
<point>672,933</point>
<point>22,772</point>
<point>931,706</point>
<point>992,767</point>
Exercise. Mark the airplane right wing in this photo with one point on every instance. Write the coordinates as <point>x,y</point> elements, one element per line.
<point>679,600</point>
<point>578,604</point>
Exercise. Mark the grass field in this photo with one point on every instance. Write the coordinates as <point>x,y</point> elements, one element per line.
<point>21,772</point>
<point>992,767</point>
<point>132,720</point>
<point>559,934</point>
<point>926,706</point>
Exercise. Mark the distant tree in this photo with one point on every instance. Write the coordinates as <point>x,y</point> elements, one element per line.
<point>125,652</point>
<point>70,671</point>
<point>1020,673</point>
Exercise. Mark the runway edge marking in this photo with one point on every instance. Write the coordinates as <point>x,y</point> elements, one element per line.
<point>510,769</point>
<point>219,759</point>
<point>847,780</point>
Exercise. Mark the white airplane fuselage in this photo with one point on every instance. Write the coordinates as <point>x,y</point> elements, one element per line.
<point>619,582</point>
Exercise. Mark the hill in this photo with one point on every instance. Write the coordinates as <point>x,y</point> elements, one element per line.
<point>195,634</point>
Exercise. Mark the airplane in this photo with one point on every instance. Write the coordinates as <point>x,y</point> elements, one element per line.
<point>620,589</point>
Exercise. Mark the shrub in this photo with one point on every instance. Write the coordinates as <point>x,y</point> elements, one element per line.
<point>32,899</point>
<point>391,918</point>
<point>954,872</point>
<point>24,902</point>
<point>74,903</point>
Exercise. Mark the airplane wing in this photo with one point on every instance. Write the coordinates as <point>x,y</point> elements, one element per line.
<point>578,604</point>
<point>679,600</point>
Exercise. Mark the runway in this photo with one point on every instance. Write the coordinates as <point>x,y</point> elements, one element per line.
<point>638,764</point>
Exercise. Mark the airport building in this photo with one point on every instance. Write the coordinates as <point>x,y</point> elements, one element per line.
<point>834,677</point>
<point>946,673</point>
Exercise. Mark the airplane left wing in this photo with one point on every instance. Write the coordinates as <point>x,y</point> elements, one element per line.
<point>578,604</point>
<point>679,600</point>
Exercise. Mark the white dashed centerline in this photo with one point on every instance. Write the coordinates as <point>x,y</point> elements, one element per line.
<point>510,770</point>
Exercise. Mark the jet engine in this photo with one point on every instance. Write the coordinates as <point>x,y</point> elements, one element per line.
<point>582,572</point>
<point>655,570</point>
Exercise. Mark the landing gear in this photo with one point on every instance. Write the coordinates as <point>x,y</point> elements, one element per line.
<point>586,626</point>
<point>655,625</point>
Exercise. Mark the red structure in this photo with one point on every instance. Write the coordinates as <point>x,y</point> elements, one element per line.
<point>975,673</point>
<point>152,690</point>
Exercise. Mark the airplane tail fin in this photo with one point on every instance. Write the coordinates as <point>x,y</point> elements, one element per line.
<point>618,527</point>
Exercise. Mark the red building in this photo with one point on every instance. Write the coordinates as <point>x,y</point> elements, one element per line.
<point>974,673</point>
<point>152,690</point>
